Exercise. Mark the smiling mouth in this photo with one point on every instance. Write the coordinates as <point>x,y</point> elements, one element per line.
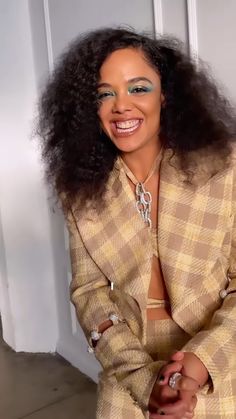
<point>123,128</point>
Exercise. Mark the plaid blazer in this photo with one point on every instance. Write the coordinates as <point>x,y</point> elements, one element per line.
<point>197,250</point>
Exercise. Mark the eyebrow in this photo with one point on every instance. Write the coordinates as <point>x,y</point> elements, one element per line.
<point>133,80</point>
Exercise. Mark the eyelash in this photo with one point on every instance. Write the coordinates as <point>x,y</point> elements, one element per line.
<point>138,90</point>
<point>105,95</point>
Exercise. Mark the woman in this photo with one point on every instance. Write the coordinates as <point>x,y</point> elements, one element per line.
<point>138,144</point>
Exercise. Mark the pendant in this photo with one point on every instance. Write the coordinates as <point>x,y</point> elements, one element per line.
<point>143,203</point>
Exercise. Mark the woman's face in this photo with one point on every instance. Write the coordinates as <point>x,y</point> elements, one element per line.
<point>130,98</point>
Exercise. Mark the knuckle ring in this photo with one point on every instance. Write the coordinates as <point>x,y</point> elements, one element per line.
<point>174,378</point>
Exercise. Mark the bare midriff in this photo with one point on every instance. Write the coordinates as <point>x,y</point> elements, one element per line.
<point>157,292</point>
<point>157,289</point>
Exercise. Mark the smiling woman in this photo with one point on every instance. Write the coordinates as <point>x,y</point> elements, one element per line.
<point>130,98</point>
<point>139,146</point>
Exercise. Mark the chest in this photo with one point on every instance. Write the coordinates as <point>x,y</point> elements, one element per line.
<point>152,187</point>
<point>194,227</point>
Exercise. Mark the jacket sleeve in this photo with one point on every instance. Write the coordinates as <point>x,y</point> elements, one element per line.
<point>118,350</point>
<point>215,345</point>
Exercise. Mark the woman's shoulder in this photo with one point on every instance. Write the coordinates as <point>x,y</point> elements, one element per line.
<point>201,165</point>
<point>85,210</point>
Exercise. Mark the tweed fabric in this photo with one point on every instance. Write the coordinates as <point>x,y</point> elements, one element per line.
<point>162,337</point>
<point>197,251</point>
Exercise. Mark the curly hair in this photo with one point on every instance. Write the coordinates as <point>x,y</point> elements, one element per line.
<point>79,157</point>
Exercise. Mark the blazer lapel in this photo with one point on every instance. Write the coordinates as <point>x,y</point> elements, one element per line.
<point>173,229</point>
<point>117,239</point>
<point>191,230</point>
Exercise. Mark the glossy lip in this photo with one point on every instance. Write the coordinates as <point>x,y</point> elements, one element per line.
<point>126,132</point>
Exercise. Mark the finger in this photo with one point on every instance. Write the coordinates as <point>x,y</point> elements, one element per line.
<point>177,356</point>
<point>177,409</point>
<point>167,371</point>
<point>193,403</point>
<point>190,414</point>
<point>187,397</point>
<point>187,384</point>
<point>180,382</point>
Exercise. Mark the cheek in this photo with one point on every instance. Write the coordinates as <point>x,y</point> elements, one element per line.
<point>152,111</point>
<point>153,116</point>
<point>104,121</point>
<point>103,115</point>
<point>150,106</point>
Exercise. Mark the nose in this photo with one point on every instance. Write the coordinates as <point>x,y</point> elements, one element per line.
<point>122,103</point>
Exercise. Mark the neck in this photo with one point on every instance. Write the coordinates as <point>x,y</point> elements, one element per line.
<point>140,162</point>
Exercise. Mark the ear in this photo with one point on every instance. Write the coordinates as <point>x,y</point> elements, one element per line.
<point>163,100</point>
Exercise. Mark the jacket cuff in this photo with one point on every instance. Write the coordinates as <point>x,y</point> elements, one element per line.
<point>122,355</point>
<point>139,384</point>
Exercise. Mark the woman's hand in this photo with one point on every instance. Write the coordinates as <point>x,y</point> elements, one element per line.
<point>192,366</point>
<point>178,403</point>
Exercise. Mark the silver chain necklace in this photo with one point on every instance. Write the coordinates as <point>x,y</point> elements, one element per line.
<point>143,197</point>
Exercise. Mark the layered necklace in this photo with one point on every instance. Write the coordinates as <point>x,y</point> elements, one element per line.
<point>142,196</point>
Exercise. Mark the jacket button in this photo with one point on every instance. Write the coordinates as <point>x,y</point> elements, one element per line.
<point>223,293</point>
<point>95,335</point>
<point>90,350</point>
<point>114,318</point>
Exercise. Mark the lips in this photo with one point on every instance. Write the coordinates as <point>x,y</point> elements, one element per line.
<point>126,127</point>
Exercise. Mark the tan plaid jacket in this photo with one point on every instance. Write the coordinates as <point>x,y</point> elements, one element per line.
<point>197,249</point>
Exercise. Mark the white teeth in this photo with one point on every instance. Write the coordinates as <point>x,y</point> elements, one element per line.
<point>127,124</point>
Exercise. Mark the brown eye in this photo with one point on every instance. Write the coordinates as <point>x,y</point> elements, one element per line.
<point>105,95</point>
<point>139,89</point>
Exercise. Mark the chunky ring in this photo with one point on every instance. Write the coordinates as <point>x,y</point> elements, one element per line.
<point>174,378</point>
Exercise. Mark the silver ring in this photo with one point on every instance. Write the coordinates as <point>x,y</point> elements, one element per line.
<point>174,378</point>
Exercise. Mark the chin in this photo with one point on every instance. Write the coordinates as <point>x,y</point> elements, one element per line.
<point>125,145</point>
<point>126,149</point>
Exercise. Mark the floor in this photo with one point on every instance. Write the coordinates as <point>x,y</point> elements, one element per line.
<point>43,386</point>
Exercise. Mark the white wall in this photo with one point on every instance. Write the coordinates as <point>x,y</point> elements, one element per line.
<point>28,305</point>
<point>83,15</point>
<point>216,32</point>
<point>171,18</point>
<point>177,17</point>
<point>34,260</point>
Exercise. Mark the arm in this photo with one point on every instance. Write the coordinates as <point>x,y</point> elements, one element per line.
<point>215,345</point>
<point>210,354</point>
<point>118,350</point>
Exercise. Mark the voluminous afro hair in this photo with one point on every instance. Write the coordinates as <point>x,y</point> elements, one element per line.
<point>79,157</point>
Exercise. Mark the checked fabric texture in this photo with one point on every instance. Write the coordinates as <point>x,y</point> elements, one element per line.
<point>197,251</point>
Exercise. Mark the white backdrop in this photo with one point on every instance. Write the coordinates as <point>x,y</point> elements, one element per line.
<point>34,262</point>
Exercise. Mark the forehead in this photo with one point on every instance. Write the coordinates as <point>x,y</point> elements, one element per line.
<point>125,64</point>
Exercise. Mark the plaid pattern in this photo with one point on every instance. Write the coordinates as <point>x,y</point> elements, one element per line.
<point>162,337</point>
<point>197,249</point>
<point>197,243</point>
